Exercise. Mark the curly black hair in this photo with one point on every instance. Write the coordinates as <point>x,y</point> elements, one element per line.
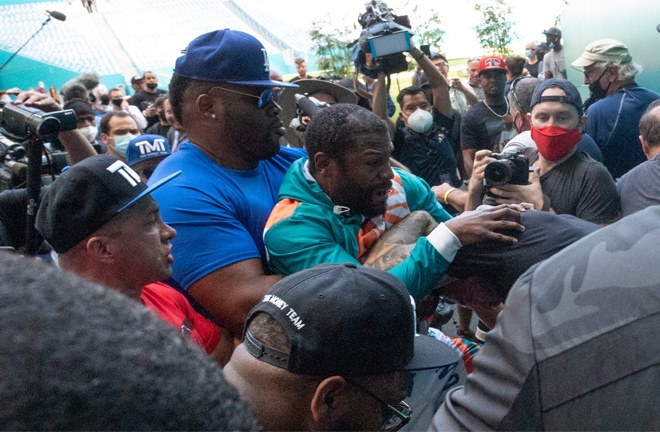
<point>334,129</point>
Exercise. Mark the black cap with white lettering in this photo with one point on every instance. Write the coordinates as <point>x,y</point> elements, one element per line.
<point>86,196</point>
<point>343,320</point>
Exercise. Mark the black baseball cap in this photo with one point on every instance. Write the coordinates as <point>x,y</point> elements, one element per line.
<point>572,94</point>
<point>80,107</point>
<point>342,319</point>
<point>552,31</point>
<point>86,196</point>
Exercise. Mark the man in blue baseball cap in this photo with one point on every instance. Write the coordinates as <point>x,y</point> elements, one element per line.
<point>233,166</point>
<point>145,152</point>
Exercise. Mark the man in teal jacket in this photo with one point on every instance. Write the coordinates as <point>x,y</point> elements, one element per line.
<point>336,204</point>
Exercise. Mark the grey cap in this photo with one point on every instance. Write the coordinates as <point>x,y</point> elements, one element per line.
<point>603,50</point>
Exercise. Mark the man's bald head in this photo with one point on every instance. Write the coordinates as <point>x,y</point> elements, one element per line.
<point>649,125</point>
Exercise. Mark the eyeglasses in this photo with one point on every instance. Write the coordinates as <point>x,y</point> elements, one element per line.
<point>587,74</point>
<point>512,90</point>
<point>267,96</point>
<point>397,416</point>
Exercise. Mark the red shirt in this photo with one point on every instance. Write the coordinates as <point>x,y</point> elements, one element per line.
<point>173,307</point>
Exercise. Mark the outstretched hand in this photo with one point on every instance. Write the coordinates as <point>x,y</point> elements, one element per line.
<point>75,143</point>
<point>37,100</point>
<point>487,223</point>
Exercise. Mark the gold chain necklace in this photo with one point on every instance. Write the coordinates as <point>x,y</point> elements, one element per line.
<point>505,113</point>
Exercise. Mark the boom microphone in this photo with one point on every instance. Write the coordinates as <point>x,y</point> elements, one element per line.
<point>57,15</point>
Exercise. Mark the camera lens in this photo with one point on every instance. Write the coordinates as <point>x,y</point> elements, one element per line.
<point>48,128</point>
<point>499,172</point>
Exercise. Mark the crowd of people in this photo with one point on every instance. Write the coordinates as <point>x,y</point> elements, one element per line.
<point>299,239</point>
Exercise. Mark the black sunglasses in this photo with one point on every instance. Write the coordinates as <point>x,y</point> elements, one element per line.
<point>267,96</point>
<point>397,416</point>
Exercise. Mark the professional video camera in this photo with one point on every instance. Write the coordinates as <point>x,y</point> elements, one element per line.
<point>28,129</point>
<point>24,127</point>
<point>20,123</point>
<point>385,37</point>
<point>511,167</point>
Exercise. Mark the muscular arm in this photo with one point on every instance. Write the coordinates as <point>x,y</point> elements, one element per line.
<point>475,189</point>
<point>468,160</point>
<point>441,100</point>
<point>76,145</point>
<point>397,242</point>
<point>316,241</point>
<point>231,291</point>
<point>379,105</point>
<point>456,198</point>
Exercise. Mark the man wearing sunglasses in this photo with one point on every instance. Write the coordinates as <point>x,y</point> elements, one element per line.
<point>232,167</point>
<point>334,348</point>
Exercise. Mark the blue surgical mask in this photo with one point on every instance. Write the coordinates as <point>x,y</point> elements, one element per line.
<point>420,121</point>
<point>121,143</point>
<point>551,45</point>
<point>528,53</point>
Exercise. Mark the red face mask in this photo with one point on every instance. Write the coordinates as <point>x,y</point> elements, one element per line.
<point>554,142</point>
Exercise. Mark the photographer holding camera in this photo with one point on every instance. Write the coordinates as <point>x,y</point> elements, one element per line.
<point>423,143</point>
<point>14,202</point>
<point>565,180</point>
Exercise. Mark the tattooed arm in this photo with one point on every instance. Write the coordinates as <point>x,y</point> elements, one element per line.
<point>397,242</point>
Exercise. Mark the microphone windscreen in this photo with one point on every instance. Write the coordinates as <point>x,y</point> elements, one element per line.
<point>57,15</point>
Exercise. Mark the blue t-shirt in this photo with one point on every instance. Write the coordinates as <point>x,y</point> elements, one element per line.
<point>219,214</point>
<point>589,146</point>
<point>613,122</point>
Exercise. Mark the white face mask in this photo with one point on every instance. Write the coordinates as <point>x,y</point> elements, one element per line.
<point>420,121</point>
<point>89,132</point>
<point>121,143</point>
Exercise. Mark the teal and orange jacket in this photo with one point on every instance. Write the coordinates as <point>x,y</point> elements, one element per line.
<point>306,229</point>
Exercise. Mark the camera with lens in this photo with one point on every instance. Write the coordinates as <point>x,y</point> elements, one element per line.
<point>385,37</point>
<point>19,127</point>
<point>511,167</point>
<point>19,123</point>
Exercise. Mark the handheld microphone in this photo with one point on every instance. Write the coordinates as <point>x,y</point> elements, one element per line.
<point>308,106</point>
<point>57,15</point>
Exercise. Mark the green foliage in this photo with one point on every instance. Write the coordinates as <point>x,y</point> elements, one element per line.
<point>331,37</point>
<point>563,8</point>
<point>330,45</point>
<point>496,31</point>
<point>426,25</point>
